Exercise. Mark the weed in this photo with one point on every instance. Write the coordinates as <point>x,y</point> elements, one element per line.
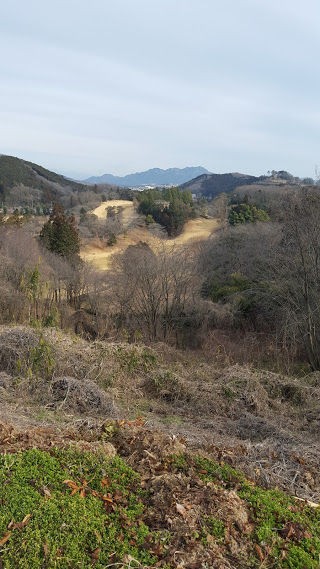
<point>172,420</point>
<point>286,528</point>
<point>229,393</point>
<point>38,363</point>
<point>179,462</point>
<point>209,470</point>
<point>214,527</point>
<point>135,359</point>
<point>164,384</point>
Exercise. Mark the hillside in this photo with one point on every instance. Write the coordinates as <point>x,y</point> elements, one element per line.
<point>25,184</point>
<point>131,456</point>
<point>211,185</point>
<point>153,177</point>
<point>17,171</point>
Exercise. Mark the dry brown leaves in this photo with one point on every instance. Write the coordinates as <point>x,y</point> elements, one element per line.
<point>13,526</point>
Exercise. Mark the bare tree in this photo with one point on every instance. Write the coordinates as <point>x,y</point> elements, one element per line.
<point>297,272</point>
<point>152,288</point>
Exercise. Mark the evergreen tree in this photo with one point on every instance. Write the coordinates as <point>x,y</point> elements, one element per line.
<point>60,235</point>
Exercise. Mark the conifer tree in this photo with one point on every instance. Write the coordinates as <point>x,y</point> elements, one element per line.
<point>60,235</point>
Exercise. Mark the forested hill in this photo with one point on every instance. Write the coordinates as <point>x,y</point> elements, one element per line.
<point>210,185</point>
<point>25,184</point>
<point>15,171</point>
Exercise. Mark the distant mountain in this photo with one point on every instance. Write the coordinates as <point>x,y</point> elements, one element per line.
<point>153,177</point>
<point>210,185</point>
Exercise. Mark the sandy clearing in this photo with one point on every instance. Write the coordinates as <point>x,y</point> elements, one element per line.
<point>100,255</point>
<point>128,214</point>
<point>196,230</point>
<point>100,211</point>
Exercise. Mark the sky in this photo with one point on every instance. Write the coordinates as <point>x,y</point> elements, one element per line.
<point>119,86</point>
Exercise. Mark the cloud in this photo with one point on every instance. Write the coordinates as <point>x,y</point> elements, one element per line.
<point>124,86</point>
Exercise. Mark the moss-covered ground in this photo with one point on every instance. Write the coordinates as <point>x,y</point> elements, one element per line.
<point>70,508</point>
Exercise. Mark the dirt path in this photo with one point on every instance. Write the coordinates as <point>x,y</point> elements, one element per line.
<point>100,255</point>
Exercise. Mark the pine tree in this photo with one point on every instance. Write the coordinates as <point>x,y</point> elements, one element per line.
<point>60,235</point>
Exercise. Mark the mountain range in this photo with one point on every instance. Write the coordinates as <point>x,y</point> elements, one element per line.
<point>24,183</point>
<point>153,177</point>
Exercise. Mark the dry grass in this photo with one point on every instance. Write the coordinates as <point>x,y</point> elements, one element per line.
<point>100,255</point>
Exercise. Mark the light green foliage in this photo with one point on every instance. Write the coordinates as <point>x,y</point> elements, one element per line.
<point>214,527</point>
<point>64,530</point>
<point>213,471</point>
<point>274,514</point>
<point>149,219</point>
<point>54,514</point>
<point>30,283</point>
<point>52,319</point>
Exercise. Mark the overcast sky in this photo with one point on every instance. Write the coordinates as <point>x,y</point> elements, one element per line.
<point>120,86</point>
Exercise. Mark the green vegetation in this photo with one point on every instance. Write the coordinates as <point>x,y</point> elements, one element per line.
<point>75,508</point>
<point>170,207</point>
<point>213,471</point>
<point>290,531</point>
<point>136,359</point>
<point>214,527</point>
<point>217,291</point>
<point>246,213</point>
<point>33,189</point>
<point>70,509</point>
<point>60,235</point>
